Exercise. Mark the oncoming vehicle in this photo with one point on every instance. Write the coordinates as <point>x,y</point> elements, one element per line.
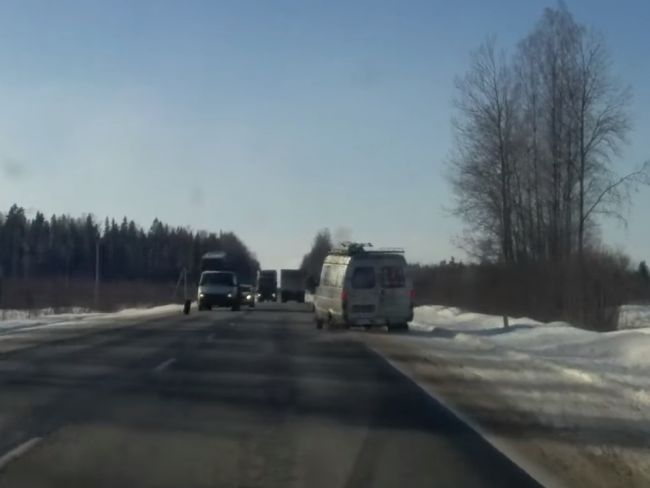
<point>366,287</point>
<point>267,285</point>
<point>218,289</point>
<point>247,295</point>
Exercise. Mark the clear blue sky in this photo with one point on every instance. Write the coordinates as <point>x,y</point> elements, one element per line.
<point>270,118</point>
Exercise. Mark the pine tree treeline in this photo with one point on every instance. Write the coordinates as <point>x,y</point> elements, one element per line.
<point>64,246</point>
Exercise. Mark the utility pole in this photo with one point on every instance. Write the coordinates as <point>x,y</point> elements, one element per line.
<point>97,273</point>
<point>1,297</point>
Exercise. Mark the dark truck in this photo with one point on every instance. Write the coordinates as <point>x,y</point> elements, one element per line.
<point>292,285</point>
<point>222,261</point>
<point>267,285</point>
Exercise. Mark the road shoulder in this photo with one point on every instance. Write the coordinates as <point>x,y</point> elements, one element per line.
<point>549,451</point>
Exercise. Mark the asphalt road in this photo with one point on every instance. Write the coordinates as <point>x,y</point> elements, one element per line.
<point>241,399</point>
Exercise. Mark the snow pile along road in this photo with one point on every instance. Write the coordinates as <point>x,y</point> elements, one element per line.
<point>622,355</point>
<point>14,320</point>
<point>11,318</point>
<point>575,403</point>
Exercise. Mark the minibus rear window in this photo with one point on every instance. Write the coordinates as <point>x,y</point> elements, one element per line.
<point>392,277</point>
<point>363,278</point>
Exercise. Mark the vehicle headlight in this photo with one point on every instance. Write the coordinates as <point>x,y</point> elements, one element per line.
<point>273,295</point>
<point>229,295</point>
<point>248,297</point>
<point>201,295</point>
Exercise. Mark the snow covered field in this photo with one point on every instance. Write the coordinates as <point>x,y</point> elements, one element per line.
<point>573,405</point>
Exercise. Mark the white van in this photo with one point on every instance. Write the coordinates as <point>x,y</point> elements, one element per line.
<point>360,286</point>
<point>218,289</point>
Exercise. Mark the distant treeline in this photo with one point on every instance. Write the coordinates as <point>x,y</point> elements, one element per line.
<point>586,294</point>
<point>312,262</point>
<point>65,247</point>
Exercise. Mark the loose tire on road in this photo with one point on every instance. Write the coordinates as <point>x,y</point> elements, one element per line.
<point>330,322</point>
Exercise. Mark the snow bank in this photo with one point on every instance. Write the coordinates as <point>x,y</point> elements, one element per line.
<point>429,317</point>
<point>629,348</point>
<point>617,362</point>
<point>23,319</point>
<point>13,314</point>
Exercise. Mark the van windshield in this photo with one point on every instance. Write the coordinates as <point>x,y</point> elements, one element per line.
<point>363,277</point>
<point>392,277</point>
<point>226,279</point>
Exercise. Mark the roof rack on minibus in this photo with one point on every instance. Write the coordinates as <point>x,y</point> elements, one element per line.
<point>350,248</point>
<point>385,250</point>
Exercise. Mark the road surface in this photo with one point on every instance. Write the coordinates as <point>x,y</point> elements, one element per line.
<point>239,399</point>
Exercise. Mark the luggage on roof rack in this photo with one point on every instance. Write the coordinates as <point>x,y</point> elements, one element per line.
<point>350,248</point>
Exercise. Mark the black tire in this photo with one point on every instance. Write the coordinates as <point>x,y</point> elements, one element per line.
<point>398,327</point>
<point>235,307</point>
<point>201,308</point>
<point>330,322</point>
<point>252,305</point>
<point>319,323</point>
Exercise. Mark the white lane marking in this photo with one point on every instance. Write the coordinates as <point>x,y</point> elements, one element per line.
<point>165,364</point>
<point>18,451</point>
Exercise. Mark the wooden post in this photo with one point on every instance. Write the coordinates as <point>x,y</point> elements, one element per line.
<point>187,302</point>
<point>96,274</point>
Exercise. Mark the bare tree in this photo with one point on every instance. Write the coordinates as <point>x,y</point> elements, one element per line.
<point>537,141</point>
<point>482,171</point>
<point>599,108</point>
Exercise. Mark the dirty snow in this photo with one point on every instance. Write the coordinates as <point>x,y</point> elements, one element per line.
<point>585,394</point>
